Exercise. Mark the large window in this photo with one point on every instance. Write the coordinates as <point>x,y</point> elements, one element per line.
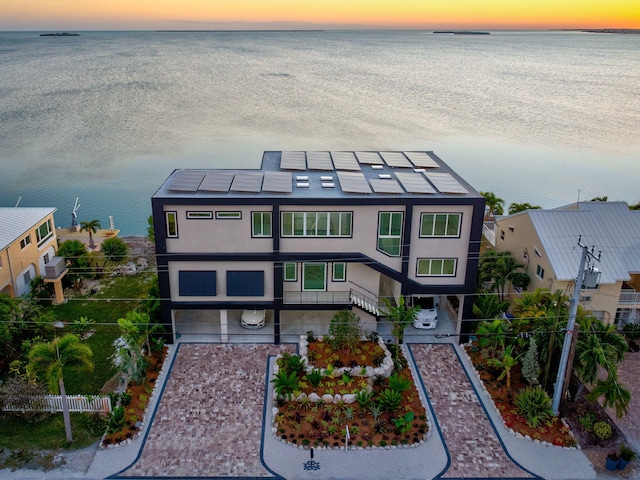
<point>390,233</point>
<point>44,232</point>
<point>314,276</point>
<point>437,267</point>
<point>316,224</point>
<point>440,225</point>
<point>261,224</point>
<point>245,283</point>
<point>172,224</point>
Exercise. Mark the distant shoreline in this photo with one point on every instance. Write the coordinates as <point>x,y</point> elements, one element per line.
<point>621,31</point>
<point>239,31</point>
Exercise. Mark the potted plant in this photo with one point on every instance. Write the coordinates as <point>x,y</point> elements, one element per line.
<point>626,455</point>
<point>612,461</point>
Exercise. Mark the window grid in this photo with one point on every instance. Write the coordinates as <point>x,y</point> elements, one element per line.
<point>44,232</point>
<point>440,224</point>
<point>437,267</point>
<point>316,224</point>
<point>390,233</point>
<point>261,224</point>
<point>26,241</point>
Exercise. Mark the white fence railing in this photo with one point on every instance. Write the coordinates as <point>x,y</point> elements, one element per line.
<point>489,234</point>
<point>629,297</point>
<point>53,403</point>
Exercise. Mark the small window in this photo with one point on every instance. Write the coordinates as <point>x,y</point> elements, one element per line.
<point>45,258</point>
<point>437,267</point>
<point>27,277</point>
<point>538,254</point>
<point>502,235</point>
<point>512,229</point>
<point>26,241</point>
<point>540,272</point>
<point>199,215</point>
<point>290,272</point>
<point>228,215</point>
<point>172,224</point>
<point>525,254</point>
<point>44,232</point>
<point>339,272</point>
<point>261,225</point>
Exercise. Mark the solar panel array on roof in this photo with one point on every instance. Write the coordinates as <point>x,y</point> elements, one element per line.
<point>446,183</point>
<point>414,182</point>
<point>247,182</point>
<point>319,161</point>
<point>353,182</point>
<point>187,181</point>
<point>421,159</point>
<point>217,181</point>
<point>277,182</point>
<point>345,161</point>
<point>396,159</point>
<point>293,161</point>
<point>385,186</point>
<point>369,158</point>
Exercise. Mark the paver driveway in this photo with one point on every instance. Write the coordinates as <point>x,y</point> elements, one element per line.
<point>209,420</point>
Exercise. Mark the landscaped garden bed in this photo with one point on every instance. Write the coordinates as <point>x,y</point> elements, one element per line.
<point>328,397</point>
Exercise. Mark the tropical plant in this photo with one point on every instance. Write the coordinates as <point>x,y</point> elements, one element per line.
<point>495,204</point>
<point>76,256</point>
<point>151,234</point>
<point>613,393</point>
<point>530,365</point>
<point>82,326</point>
<point>602,430</point>
<point>506,363</point>
<point>534,404</point>
<point>314,377</point>
<point>50,359</point>
<point>137,329</point>
<point>521,207</point>
<point>399,383</point>
<point>285,383</point>
<point>116,419</point>
<point>404,423</point>
<point>344,330</point>
<point>92,227</point>
<point>389,400</point>
<point>114,250</point>
<point>364,398</point>
<point>493,334</point>
<point>400,316</point>
<point>498,270</point>
<point>488,305</point>
<point>627,454</point>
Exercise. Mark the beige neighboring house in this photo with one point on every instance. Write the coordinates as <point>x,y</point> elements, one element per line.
<point>546,241</point>
<point>27,245</point>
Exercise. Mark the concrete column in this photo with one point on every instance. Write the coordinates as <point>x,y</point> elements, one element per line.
<point>59,293</point>
<point>224,335</point>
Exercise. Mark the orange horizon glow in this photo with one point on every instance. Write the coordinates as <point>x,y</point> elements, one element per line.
<point>401,14</point>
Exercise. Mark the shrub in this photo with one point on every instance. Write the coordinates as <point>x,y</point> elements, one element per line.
<point>399,383</point>
<point>530,365</point>
<point>116,420</point>
<point>389,400</point>
<point>602,430</point>
<point>534,405</point>
<point>587,421</point>
<point>344,330</point>
<point>82,326</point>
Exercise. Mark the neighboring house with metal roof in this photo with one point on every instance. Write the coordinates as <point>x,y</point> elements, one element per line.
<point>546,241</point>
<point>27,243</point>
<point>313,231</point>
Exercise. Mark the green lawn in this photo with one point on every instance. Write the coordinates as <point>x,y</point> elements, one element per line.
<point>119,296</point>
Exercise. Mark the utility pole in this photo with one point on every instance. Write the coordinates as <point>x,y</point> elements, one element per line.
<point>566,346</point>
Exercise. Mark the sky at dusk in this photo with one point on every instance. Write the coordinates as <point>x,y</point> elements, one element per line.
<point>325,14</point>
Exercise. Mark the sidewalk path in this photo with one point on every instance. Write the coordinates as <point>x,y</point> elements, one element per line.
<point>473,446</point>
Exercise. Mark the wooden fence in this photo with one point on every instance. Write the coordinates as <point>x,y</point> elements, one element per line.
<point>53,403</point>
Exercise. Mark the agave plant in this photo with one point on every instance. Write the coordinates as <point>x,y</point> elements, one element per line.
<point>534,405</point>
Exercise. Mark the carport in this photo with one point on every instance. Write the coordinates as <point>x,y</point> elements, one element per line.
<point>218,326</point>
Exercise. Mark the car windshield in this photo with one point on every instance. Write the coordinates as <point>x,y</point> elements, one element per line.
<point>425,303</point>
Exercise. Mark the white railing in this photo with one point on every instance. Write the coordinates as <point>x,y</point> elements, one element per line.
<point>53,403</point>
<point>489,234</point>
<point>629,297</point>
<point>339,297</point>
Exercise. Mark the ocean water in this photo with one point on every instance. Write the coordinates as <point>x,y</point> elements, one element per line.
<point>539,117</point>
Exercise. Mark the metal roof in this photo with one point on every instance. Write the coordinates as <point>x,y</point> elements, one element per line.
<point>16,221</point>
<point>326,174</point>
<point>608,226</point>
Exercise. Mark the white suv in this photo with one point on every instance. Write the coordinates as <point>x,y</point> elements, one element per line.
<point>428,314</point>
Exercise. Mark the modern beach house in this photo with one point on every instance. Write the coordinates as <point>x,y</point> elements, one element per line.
<point>28,246</point>
<point>546,241</point>
<point>310,233</point>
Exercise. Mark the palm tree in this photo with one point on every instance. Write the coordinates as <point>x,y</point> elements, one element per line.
<point>488,305</point>
<point>91,227</point>
<point>114,250</point>
<point>521,207</point>
<point>499,269</point>
<point>495,204</point>
<point>615,395</point>
<point>493,334</point>
<point>52,358</point>
<point>506,363</point>
<point>400,316</point>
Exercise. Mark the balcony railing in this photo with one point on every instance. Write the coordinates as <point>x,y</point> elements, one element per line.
<point>325,298</point>
<point>629,297</point>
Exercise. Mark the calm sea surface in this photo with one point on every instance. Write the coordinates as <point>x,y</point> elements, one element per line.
<point>538,117</point>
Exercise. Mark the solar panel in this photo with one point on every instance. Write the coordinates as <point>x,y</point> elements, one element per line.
<point>370,158</point>
<point>187,181</point>
<point>385,186</point>
<point>217,181</point>
<point>319,161</point>
<point>247,182</point>
<point>446,183</point>
<point>293,161</point>
<point>396,159</point>
<point>277,182</point>
<point>345,161</point>
<point>414,182</point>
<point>353,182</point>
<point>422,159</point>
